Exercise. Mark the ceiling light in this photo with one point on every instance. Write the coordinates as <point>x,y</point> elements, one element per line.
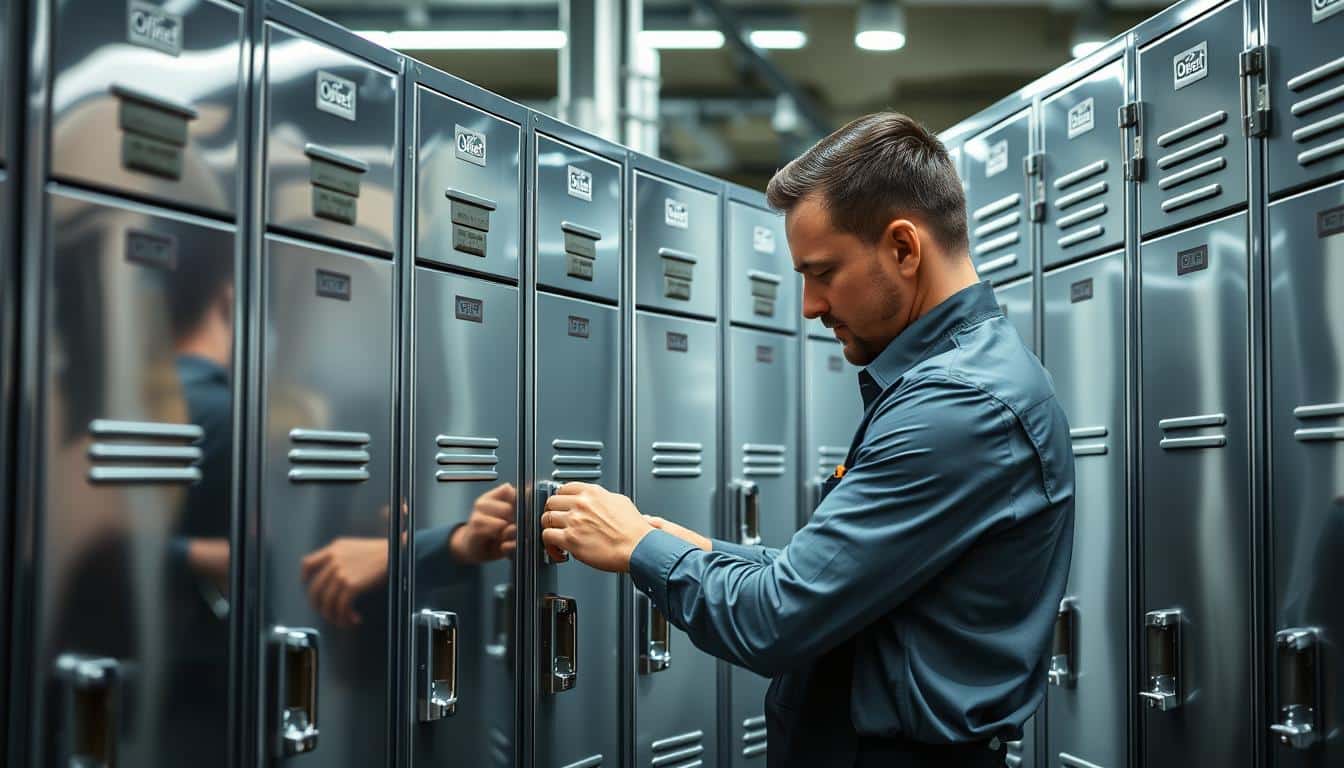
<point>1082,48</point>
<point>469,40</point>
<point>1089,31</point>
<point>682,39</point>
<point>880,26</point>
<point>778,39</point>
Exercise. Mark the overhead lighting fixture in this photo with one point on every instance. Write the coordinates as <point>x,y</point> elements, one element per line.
<point>682,39</point>
<point>880,26</point>
<point>778,39</point>
<point>469,40</point>
<point>1089,31</point>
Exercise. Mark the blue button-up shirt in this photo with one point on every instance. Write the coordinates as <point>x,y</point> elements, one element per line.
<point>939,558</point>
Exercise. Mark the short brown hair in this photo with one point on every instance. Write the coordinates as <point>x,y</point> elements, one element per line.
<point>874,169</point>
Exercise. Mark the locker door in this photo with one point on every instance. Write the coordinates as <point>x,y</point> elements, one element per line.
<point>998,199</point>
<point>762,286</point>
<point>1196,600</point>
<point>1192,141</point>
<point>463,449</point>
<point>579,221</point>
<point>578,713</point>
<point>1084,179</point>
<point>1018,300</point>
<point>132,556</point>
<point>326,503</point>
<point>761,440</point>
<point>1306,252</point>
<point>1306,67</point>
<point>677,244</point>
<point>676,477</point>
<point>833,410</point>
<point>1084,350</point>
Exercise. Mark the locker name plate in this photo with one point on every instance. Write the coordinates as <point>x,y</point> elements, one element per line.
<point>151,249</point>
<point>469,215</point>
<point>336,206</point>
<point>677,289</point>
<point>578,327</point>
<point>1324,9</point>
<point>471,145</point>
<point>579,245</point>
<point>1330,221</point>
<point>147,155</point>
<point>1192,260</point>
<point>468,240</point>
<point>1191,65</point>
<point>997,162</point>
<point>150,120</point>
<point>579,267</point>
<point>336,95</point>
<point>469,309</point>
<point>1080,291</point>
<point>678,342</point>
<point>1081,117</point>
<point>337,178</point>
<point>333,285</point>
<point>150,26</point>
<point>835,363</point>
<point>765,354</point>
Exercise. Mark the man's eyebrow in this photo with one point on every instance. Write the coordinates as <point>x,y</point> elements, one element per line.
<point>816,261</point>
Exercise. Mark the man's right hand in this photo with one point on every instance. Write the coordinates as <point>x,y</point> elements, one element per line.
<point>491,533</point>
<point>683,533</point>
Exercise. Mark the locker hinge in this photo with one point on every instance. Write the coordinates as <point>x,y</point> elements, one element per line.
<point>1254,92</point>
<point>1131,150</point>
<point>1033,166</point>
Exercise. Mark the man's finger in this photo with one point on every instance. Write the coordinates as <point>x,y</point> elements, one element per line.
<point>318,585</point>
<point>555,540</point>
<point>496,509</point>
<point>571,489</point>
<point>312,563</point>
<point>505,492</point>
<point>562,503</point>
<point>554,518</point>
<point>509,534</point>
<point>654,520</point>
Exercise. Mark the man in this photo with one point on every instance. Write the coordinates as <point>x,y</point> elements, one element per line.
<point>907,623</point>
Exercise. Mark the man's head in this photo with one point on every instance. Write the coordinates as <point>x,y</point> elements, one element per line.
<point>876,221</point>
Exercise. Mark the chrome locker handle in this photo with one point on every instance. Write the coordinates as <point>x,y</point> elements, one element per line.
<point>295,660</point>
<point>502,636</point>
<point>542,491</point>
<point>655,638</point>
<point>1299,705</point>
<point>1063,667</point>
<point>91,708</point>
<point>559,644</point>
<point>1163,683</point>
<point>746,497</point>
<point>436,676</point>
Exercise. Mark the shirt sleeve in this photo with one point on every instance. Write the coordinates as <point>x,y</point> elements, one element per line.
<point>922,490</point>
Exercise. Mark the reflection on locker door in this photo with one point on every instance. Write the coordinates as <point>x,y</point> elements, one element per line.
<point>762,503</point>
<point>1196,600</point>
<point>578,715</point>
<point>832,413</point>
<point>1084,350</point>
<point>463,447</point>
<point>1306,252</point>
<point>326,490</point>
<point>132,621</point>
<point>998,199</point>
<point>1017,301</point>
<point>676,477</point>
<point>1306,65</point>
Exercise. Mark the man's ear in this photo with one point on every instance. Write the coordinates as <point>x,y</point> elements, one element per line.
<point>901,239</point>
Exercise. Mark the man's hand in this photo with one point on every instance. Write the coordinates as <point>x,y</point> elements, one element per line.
<point>685,534</point>
<point>210,558</point>
<point>598,527</point>
<point>340,572</point>
<point>491,533</point>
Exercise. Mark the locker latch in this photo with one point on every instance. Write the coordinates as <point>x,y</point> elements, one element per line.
<point>1063,670</point>
<point>1254,92</point>
<point>1299,707</point>
<point>1163,690</point>
<point>1033,167</point>
<point>1131,116</point>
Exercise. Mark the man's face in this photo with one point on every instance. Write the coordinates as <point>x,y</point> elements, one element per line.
<point>852,285</point>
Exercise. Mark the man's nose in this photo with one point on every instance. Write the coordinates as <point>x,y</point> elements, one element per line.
<point>814,304</point>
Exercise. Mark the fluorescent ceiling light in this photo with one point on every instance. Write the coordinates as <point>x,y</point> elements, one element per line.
<point>682,39</point>
<point>1084,47</point>
<point>880,40</point>
<point>469,40</point>
<point>778,39</point>
<point>880,26</point>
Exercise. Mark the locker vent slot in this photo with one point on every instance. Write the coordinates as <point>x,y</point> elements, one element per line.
<point>1320,127</point>
<point>320,455</point>
<point>997,225</point>
<point>1085,442</point>
<point>466,459</point>
<point>1179,425</point>
<point>1194,150</point>
<point>1086,214</point>
<point>681,751</point>
<point>1086,172</point>
<point>144,452</point>
<point>762,460</point>
<point>828,456</point>
<point>1071,761</point>
<point>1321,411</point>
<point>1082,236</point>
<point>1183,154</point>
<point>1193,172</point>
<point>996,263</point>
<point>994,244</point>
<point>677,459</point>
<point>500,748</point>
<point>588,762</point>
<point>753,736</point>
<point>577,460</point>
<point>1086,193</point>
<point>998,206</point>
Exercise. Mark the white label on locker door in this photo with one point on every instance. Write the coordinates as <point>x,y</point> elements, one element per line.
<point>997,162</point>
<point>336,95</point>
<point>580,183</point>
<point>1324,9</point>
<point>1080,118</point>
<point>763,240</point>
<point>1191,65</point>
<point>153,27</point>
<point>676,214</point>
<point>470,145</point>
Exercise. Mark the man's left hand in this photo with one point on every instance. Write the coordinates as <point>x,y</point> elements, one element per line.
<point>596,526</point>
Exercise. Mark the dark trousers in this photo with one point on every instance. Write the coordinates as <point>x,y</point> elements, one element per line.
<point>883,753</point>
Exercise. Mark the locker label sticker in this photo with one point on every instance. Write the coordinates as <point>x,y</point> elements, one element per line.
<point>580,183</point>
<point>1330,221</point>
<point>1081,117</point>
<point>997,161</point>
<point>468,240</point>
<point>678,342</point>
<point>1080,291</point>
<point>676,214</point>
<point>834,363</point>
<point>763,240</point>
<point>578,267</point>
<point>152,27</point>
<point>765,354</point>
<point>333,205</point>
<point>333,285</point>
<point>147,155</point>
<point>1191,65</point>
<point>578,327</point>
<point>469,309</point>
<point>1192,260</point>
<point>151,249</point>
<point>1324,9</point>
<point>336,95</point>
<point>470,145</point>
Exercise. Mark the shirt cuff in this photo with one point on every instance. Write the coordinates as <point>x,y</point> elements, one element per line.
<point>652,562</point>
<point>752,553</point>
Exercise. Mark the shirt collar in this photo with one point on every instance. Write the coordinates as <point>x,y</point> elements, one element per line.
<point>926,335</point>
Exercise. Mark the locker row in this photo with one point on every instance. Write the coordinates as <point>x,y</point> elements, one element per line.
<point>298,332</point>
<point>1164,222</point>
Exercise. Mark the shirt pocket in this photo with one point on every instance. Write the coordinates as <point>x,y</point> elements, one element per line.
<point>1047,429</point>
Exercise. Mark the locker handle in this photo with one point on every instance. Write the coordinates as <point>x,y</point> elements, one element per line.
<point>541,493</point>
<point>503,622</point>
<point>92,690</point>
<point>295,655</point>
<point>127,93</point>
<point>655,638</point>
<point>560,643</point>
<point>580,230</point>
<point>436,638</point>
<point>1163,635</point>
<point>1063,670</point>
<point>747,511</point>
<point>319,152</point>
<point>470,199</point>
<point>1299,704</point>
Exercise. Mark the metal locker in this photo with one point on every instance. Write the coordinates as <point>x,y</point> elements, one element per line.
<point>762,490</point>
<point>1194,152</point>
<point>145,99</point>
<point>1083,169</point>
<point>832,410</point>
<point>1000,198</point>
<point>1017,300</point>
<point>331,139</point>
<point>462,443</point>
<point>1084,349</point>
<point>676,240</point>
<point>1306,132</point>
<point>762,287</point>
<point>326,503</point>
<point>468,180</point>
<point>131,550</point>
<point>1195,603</point>
<point>1306,351</point>
<point>578,714</point>
<point>578,220</point>
<point>677,478</point>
